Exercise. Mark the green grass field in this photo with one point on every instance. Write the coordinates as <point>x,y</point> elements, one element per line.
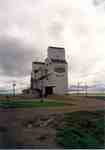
<point>29,104</point>
<point>100,96</point>
<point>83,130</point>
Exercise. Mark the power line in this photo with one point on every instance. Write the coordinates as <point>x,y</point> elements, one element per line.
<point>91,74</point>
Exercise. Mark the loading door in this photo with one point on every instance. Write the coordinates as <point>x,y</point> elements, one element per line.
<point>48,91</point>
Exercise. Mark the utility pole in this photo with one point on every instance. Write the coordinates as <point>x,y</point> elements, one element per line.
<point>69,66</point>
<point>86,87</point>
<point>13,85</point>
<point>78,88</point>
<point>78,85</point>
<point>42,85</point>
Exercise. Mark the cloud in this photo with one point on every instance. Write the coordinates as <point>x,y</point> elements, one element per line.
<point>15,57</point>
<point>98,2</point>
<point>28,27</point>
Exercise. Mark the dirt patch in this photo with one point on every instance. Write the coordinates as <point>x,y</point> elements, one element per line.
<point>52,121</point>
<point>20,129</point>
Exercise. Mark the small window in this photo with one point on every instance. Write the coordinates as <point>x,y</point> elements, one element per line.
<point>59,70</point>
<point>35,71</point>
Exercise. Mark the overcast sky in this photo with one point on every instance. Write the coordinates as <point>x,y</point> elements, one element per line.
<point>28,27</point>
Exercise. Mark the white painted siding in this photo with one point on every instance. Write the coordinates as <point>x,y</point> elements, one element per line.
<point>57,72</point>
<point>55,53</point>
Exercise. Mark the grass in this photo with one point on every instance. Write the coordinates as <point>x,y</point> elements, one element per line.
<point>29,104</point>
<point>88,93</point>
<point>73,96</point>
<point>98,96</point>
<point>83,130</point>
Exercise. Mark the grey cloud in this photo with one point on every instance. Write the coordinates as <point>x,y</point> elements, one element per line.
<point>98,2</point>
<point>38,23</point>
<point>15,57</point>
